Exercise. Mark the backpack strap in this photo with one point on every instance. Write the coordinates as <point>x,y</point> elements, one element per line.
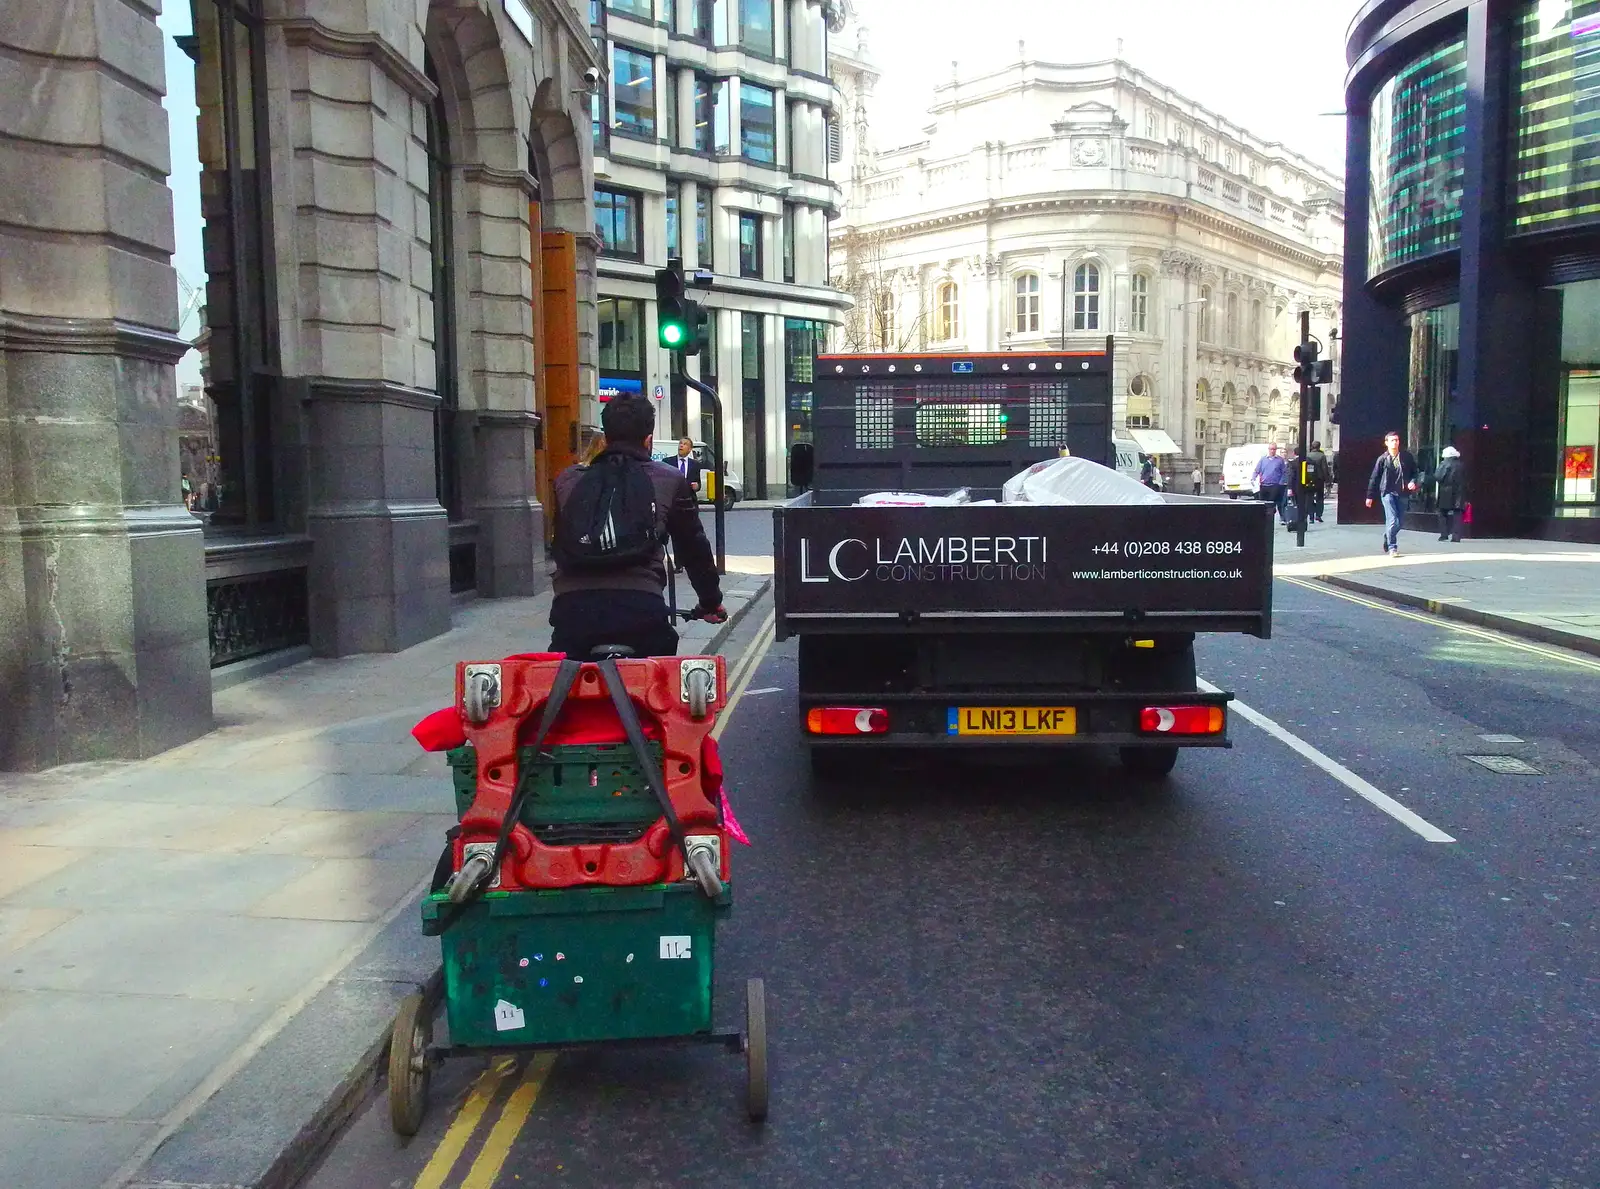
<point>566,677</point>
<point>635,734</point>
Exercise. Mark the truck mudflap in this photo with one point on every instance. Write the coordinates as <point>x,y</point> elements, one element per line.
<point>922,720</point>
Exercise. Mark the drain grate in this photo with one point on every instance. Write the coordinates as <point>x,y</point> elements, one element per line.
<point>1506,765</point>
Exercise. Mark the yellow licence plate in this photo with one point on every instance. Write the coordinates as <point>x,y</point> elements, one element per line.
<point>1012,720</point>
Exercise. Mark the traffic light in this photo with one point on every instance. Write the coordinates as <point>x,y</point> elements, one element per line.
<point>1309,369</point>
<point>681,323</point>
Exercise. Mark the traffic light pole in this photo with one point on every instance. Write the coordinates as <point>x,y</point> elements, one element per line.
<point>718,509</point>
<point>1308,399</point>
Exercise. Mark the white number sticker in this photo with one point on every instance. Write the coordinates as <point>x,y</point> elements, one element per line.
<point>675,948</point>
<point>508,1017</point>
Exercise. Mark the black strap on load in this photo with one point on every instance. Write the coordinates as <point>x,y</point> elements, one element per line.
<point>566,678</point>
<point>635,734</point>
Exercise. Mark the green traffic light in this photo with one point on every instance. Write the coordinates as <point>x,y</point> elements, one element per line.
<point>671,334</point>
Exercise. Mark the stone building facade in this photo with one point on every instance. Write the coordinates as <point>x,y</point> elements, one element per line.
<point>400,295</point>
<point>1113,207</point>
<point>714,141</point>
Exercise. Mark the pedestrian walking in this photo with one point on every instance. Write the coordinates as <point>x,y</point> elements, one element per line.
<point>1272,479</point>
<point>1394,476</point>
<point>1199,478</point>
<point>1320,478</point>
<point>1450,494</point>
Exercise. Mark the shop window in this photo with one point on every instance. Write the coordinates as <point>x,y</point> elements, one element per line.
<point>1580,393</point>
<point>240,355</point>
<point>758,124</point>
<point>753,392</point>
<point>616,214</point>
<point>633,79</point>
<point>1431,405</point>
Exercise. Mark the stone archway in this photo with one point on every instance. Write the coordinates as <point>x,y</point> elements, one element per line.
<point>494,250</point>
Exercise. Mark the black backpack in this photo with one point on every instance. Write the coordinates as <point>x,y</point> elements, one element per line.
<point>609,519</point>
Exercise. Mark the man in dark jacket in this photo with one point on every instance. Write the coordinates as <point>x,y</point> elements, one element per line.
<point>1450,494</point>
<point>1320,479</point>
<point>627,605</point>
<point>687,465</point>
<point>1394,476</point>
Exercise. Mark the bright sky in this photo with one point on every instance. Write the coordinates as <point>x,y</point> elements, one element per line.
<point>1247,60</point>
<point>189,259</point>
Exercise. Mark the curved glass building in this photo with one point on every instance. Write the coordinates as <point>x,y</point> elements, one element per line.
<point>1472,286</point>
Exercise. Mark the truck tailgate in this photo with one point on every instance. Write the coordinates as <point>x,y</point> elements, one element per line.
<point>1192,565</point>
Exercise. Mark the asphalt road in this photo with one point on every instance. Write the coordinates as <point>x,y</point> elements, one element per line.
<point>1039,976</point>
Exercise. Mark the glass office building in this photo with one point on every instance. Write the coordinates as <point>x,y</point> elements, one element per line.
<point>1473,287</point>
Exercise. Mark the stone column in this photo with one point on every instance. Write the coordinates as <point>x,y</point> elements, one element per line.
<point>103,638</point>
<point>380,576</point>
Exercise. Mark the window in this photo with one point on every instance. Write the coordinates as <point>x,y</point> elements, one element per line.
<point>949,307</point>
<point>758,124</point>
<point>703,242</point>
<point>634,8</point>
<point>755,26</point>
<point>1027,303</point>
<point>750,245</point>
<point>703,20</point>
<point>1255,327</point>
<point>705,114</point>
<point>634,106</point>
<point>236,204</point>
<point>803,341</point>
<point>1233,320</point>
<point>753,394</point>
<point>616,218</point>
<point>1207,317</point>
<point>621,322</point>
<point>1139,313</point>
<point>669,14</point>
<point>1086,298</point>
<point>597,13</point>
<point>835,143</point>
<point>673,78</point>
<point>1152,126</point>
<point>788,242</point>
<point>674,221</point>
<point>447,481</point>
<point>722,117</point>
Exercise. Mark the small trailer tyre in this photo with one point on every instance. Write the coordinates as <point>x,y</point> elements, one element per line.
<point>755,1050</point>
<point>409,1072</point>
<point>1149,763</point>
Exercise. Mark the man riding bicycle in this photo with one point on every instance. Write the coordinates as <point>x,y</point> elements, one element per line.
<point>613,517</point>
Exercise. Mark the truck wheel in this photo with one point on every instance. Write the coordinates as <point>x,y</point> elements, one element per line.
<point>1149,763</point>
<point>829,767</point>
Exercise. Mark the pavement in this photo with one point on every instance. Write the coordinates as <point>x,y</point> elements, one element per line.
<point>1547,591</point>
<point>200,953</point>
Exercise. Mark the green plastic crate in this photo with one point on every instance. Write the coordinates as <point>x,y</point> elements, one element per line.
<point>584,794</point>
<point>579,964</point>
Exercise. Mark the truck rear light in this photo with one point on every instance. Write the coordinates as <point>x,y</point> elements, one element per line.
<point>1182,720</point>
<point>847,720</point>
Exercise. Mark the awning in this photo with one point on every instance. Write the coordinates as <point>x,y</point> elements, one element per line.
<point>1154,441</point>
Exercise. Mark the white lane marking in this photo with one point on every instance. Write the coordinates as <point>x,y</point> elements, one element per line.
<point>766,689</point>
<point>749,664</point>
<point>1363,789</point>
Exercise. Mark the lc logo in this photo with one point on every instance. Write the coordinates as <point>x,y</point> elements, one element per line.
<point>842,562</point>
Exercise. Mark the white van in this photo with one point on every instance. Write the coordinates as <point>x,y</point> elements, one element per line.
<point>1239,468</point>
<point>1131,460</point>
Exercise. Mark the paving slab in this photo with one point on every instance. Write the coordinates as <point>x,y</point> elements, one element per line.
<point>113,1056</point>
<point>342,890</point>
<point>57,1153</point>
<point>165,881</point>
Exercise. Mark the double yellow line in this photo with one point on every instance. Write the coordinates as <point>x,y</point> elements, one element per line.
<point>491,1158</point>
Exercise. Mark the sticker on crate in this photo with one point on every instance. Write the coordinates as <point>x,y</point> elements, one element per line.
<point>675,948</point>
<point>508,1017</point>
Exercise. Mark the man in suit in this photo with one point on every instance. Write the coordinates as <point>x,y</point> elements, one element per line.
<point>687,465</point>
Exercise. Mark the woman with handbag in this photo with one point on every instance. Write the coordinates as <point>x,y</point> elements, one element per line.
<point>1450,494</point>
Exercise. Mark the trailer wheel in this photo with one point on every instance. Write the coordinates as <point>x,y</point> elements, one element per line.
<point>756,1090</point>
<point>1149,763</point>
<point>409,1071</point>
